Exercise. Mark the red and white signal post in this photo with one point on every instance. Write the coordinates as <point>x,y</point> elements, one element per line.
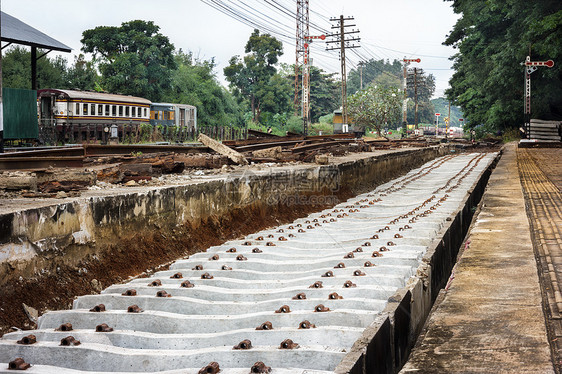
<point>530,67</point>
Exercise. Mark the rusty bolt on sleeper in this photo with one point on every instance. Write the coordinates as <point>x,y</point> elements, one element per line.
<point>155,283</point>
<point>198,267</point>
<point>288,344</point>
<point>328,274</point>
<point>69,341</point>
<point>317,284</point>
<point>256,250</point>
<point>305,325</point>
<point>212,368</point>
<point>260,367</point>
<point>321,308</point>
<point>224,267</point>
<point>300,296</point>
<point>98,308</point>
<point>64,327</point>
<point>187,284</point>
<point>104,328</point>
<point>244,344</point>
<point>358,273</point>
<point>162,293</point>
<point>283,309</point>
<point>334,296</point>
<point>368,264</point>
<point>206,276</point>
<point>129,293</point>
<point>358,249</point>
<point>134,309</point>
<point>241,258</point>
<point>341,265</point>
<point>231,250</point>
<point>27,340</point>
<point>349,284</point>
<point>18,364</point>
<point>214,258</point>
<point>265,326</point>
<point>177,276</point>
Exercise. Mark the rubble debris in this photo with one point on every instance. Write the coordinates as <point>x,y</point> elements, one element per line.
<point>223,149</point>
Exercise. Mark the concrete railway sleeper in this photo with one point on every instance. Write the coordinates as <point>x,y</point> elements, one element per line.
<point>293,298</point>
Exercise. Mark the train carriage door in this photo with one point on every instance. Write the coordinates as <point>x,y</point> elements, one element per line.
<point>47,108</point>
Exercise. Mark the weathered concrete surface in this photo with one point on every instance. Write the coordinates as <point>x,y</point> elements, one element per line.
<point>54,249</point>
<point>490,319</point>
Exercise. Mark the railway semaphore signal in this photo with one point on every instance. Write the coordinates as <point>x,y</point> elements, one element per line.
<point>530,68</point>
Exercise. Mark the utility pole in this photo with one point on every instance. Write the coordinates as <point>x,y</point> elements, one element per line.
<point>344,43</point>
<point>302,31</point>
<point>1,98</point>
<point>407,62</point>
<point>361,75</point>
<point>306,81</point>
<point>416,98</point>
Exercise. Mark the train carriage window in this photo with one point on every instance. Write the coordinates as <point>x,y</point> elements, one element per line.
<point>100,109</point>
<point>120,110</point>
<point>77,111</point>
<point>114,110</point>
<point>85,109</point>
<point>134,111</point>
<point>127,111</point>
<point>107,110</point>
<point>145,112</point>
<point>92,109</point>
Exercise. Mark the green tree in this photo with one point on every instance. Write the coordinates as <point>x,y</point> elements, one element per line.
<point>371,70</point>
<point>325,91</point>
<point>493,38</point>
<point>251,76</point>
<point>194,83</point>
<point>82,75</point>
<point>16,70</point>
<point>374,107</point>
<point>133,58</point>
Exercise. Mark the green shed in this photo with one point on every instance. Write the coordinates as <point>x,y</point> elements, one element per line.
<point>20,113</point>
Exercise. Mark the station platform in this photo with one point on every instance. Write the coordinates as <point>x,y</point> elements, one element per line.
<point>491,316</point>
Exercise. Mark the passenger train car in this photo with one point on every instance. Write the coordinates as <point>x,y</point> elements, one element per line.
<point>180,115</point>
<point>85,116</point>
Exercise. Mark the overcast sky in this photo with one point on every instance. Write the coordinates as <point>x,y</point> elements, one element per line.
<point>388,29</point>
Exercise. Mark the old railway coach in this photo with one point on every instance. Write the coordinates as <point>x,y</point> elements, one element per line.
<point>80,116</point>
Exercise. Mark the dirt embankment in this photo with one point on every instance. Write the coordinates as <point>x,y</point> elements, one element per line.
<point>144,250</point>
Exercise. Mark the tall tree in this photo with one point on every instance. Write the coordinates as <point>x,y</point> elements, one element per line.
<point>375,107</point>
<point>133,58</point>
<point>82,75</point>
<point>325,91</point>
<point>493,38</point>
<point>370,70</point>
<point>194,83</point>
<point>16,70</point>
<point>251,76</point>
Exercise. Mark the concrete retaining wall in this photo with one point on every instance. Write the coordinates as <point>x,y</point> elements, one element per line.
<point>32,240</point>
<point>384,346</point>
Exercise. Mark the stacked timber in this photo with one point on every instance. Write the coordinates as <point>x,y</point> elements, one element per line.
<point>545,130</point>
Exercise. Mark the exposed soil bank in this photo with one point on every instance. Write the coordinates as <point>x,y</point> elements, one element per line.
<point>49,255</point>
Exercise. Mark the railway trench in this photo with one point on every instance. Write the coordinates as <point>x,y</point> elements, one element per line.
<point>345,289</point>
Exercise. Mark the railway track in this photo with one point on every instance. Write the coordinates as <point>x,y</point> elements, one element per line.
<point>293,298</point>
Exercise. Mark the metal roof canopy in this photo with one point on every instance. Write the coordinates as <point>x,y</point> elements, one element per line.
<point>15,31</point>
